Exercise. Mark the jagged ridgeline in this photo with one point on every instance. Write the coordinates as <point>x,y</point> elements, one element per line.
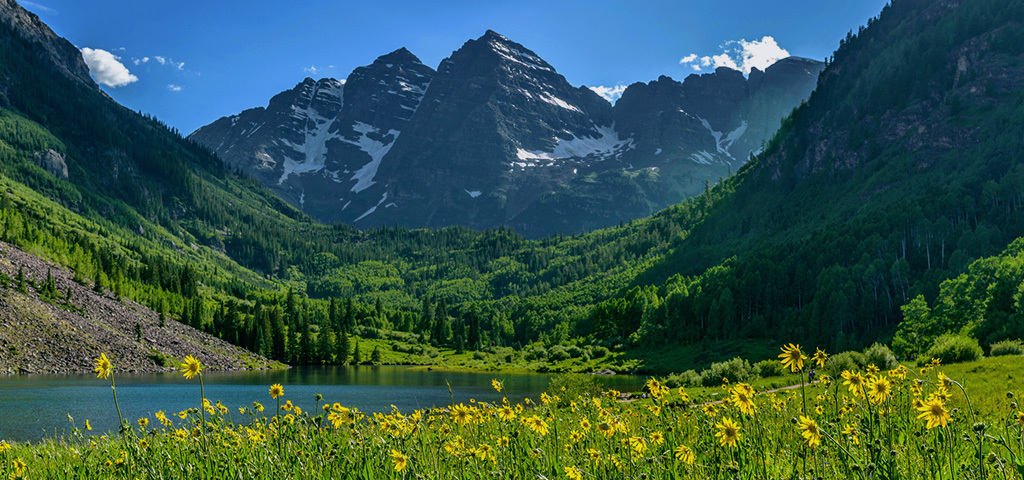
<point>497,137</point>
<point>902,167</point>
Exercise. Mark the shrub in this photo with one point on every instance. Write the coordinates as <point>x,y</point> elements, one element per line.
<point>1007,347</point>
<point>479,355</point>
<point>689,378</point>
<point>736,370</point>
<point>880,356</point>
<point>535,352</point>
<point>953,348</point>
<point>557,353</point>
<point>597,351</point>
<point>836,364</point>
<point>768,368</point>
<point>574,351</point>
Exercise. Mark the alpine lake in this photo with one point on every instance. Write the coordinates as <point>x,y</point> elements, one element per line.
<point>34,407</point>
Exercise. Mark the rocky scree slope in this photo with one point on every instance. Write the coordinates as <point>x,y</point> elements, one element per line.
<point>62,333</point>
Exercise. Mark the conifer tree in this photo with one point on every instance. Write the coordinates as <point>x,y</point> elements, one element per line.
<point>342,348</point>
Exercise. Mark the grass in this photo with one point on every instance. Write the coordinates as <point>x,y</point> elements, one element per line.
<point>970,429</point>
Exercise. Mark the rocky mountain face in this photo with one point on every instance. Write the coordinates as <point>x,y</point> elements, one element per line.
<point>58,51</point>
<point>495,136</point>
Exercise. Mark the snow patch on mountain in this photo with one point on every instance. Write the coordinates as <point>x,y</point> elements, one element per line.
<point>372,209</point>
<point>703,157</point>
<point>549,98</point>
<point>724,141</point>
<point>375,148</point>
<point>604,146</point>
<point>518,56</point>
<point>312,150</point>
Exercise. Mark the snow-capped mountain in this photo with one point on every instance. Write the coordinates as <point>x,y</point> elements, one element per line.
<point>496,136</point>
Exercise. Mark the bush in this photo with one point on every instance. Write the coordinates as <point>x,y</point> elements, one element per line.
<point>1006,347</point>
<point>852,361</point>
<point>535,352</point>
<point>557,353</point>
<point>736,370</point>
<point>574,351</point>
<point>953,348</point>
<point>768,368</point>
<point>689,378</point>
<point>880,356</point>
<point>479,356</point>
<point>597,351</point>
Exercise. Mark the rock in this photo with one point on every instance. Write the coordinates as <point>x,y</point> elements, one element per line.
<point>603,371</point>
<point>52,161</point>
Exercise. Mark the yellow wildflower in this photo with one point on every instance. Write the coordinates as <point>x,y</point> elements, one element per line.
<point>792,357</point>
<point>103,366</point>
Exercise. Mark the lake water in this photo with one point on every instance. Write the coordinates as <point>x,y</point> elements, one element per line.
<point>37,406</point>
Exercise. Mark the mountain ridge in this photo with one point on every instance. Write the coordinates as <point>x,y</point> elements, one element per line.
<point>498,137</point>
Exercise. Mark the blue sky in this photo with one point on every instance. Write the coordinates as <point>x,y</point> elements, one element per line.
<point>191,62</point>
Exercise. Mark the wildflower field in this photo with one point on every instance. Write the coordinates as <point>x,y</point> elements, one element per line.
<point>898,424</point>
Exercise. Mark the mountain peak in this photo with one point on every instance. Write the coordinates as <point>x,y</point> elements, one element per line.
<point>400,56</point>
<point>64,56</point>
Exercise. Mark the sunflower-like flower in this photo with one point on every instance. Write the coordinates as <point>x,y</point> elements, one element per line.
<point>792,358</point>
<point>276,390</point>
<point>820,357</point>
<point>742,396</point>
<point>191,367</point>
<point>497,385</point>
<point>537,424</point>
<point>879,390</point>
<point>462,414</point>
<point>400,461</point>
<point>810,430</point>
<point>684,454</point>
<point>933,412</point>
<point>103,366</point>
<point>855,381</point>
<point>573,473</point>
<point>728,432</point>
<point>506,413</point>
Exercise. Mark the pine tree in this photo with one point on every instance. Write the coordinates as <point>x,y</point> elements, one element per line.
<point>278,344</point>
<point>305,341</point>
<point>342,347</point>
<point>473,339</point>
<point>293,343</point>
<point>325,344</point>
<point>356,357</point>
<point>375,356</point>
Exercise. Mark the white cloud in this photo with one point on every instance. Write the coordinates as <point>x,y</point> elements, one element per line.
<point>761,54</point>
<point>314,70</point>
<point>174,88</point>
<point>740,55</point>
<point>107,68</point>
<point>689,58</point>
<point>609,93</point>
<point>161,61</point>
